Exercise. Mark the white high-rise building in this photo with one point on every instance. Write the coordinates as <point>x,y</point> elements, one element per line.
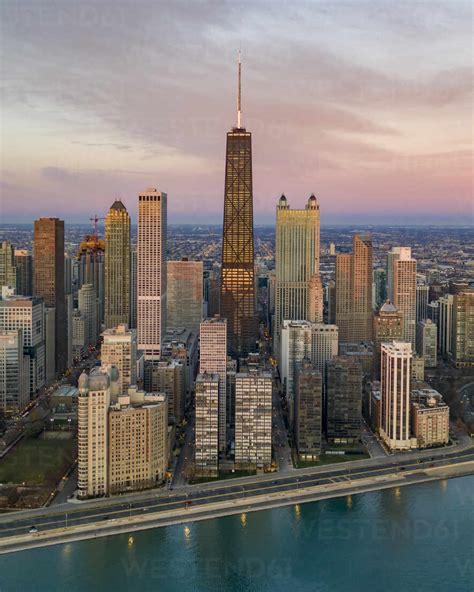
<point>401,288</point>
<point>395,386</point>
<point>14,372</point>
<point>253,420</point>
<point>119,348</point>
<point>151,272</point>
<point>213,359</point>
<point>206,444</point>
<point>28,314</point>
<point>301,339</point>
<point>298,290</point>
<point>93,405</point>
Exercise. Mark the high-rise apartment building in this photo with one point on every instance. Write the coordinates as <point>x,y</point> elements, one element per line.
<point>206,432</point>
<point>184,294</point>
<point>133,288</point>
<point>168,377</point>
<point>253,420</point>
<point>119,349</point>
<point>50,343</point>
<point>308,410</point>
<point>8,270</point>
<point>302,339</point>
<point>354,291</point>
<point>49,279</point>
<point>298,289</point>
<point>117,266</point>
<point>401,288</point>
<point>213,359</point>
<point>427,342</point>
<point>27,314</point>
<point>445,326</point>
<point>14,372</point>
<point>422,299</point>
<point>395,385</point>
<point>121,447</point>
<point>151,272</point>
<point>87,305</point>
<point>137,442</point>
<point>388,326</point>
<point>91,270</point>
<point>237,289</point>
<point>24,266</point>
<point>463,329</point>
<point>344,400</point>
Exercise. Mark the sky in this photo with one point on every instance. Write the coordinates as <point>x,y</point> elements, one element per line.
<point>368,105</point>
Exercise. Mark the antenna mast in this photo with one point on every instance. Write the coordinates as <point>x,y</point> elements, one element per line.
<point>239,97</point>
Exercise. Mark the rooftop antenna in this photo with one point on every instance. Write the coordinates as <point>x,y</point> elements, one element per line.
<point>239,97</point>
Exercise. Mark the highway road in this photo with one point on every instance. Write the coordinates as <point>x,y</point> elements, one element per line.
<point>197,496</point>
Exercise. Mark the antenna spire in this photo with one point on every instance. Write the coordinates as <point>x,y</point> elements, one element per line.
<point>239,94</point>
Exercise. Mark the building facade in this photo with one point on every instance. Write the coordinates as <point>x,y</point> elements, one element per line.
<point>427,342</point>
<point>117,266</point>
<point>402,288</point>
<point>119,349</point>
<point>206,431</point>
<point>298,289</point>
<point>463,329</point>
<point>49,279</point>
<point>237,288</point>
<point>213,359</point>
<point>308,410</point>
<point>14,372</point>
<point>429,417</point>
<point>344,400</point>
<point>253,420</point>
<point>395,386</point>
<point>151,272</point>
<point>184,294</point>
<point>354,311</point>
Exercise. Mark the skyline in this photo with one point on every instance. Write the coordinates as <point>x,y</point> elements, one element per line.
<point>92,119</point>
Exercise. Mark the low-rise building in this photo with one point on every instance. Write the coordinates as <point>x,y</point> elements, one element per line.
<point>429,417</point>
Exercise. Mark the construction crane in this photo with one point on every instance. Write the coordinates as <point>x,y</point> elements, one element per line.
<point>94,220</point>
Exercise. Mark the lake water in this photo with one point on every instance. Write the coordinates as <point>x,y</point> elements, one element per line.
<point>417,538</point>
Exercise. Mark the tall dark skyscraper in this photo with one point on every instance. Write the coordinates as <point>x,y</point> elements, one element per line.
<point>237,292</point>
<point>49,279</point>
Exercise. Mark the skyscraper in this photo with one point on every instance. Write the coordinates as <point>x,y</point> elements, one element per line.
<point>49,279</point>
<point>463,329</point>
<point>14,372</point>
<point>401,288</point>
<point>354,291</point>
<point>119,349</point>
<point>395,386</point>
<point>91,270</point>
<point>8,271</point>
<point>184,294</point>
<point>445,326</point>
<point>422,294</point>
<point>308,410</point>
<point>214,361</point>
<point>253,419</point>
<point>344,400</point>
<point>388,326</point>
<point>206,445</point>
<point>24,266</point>
<point>237,293</point>
<point>117,266</point>
<point>427,342</point>
<point>151,272</point>
<point>87,305</point>
<point>298,291</point>
<point>133,288</point>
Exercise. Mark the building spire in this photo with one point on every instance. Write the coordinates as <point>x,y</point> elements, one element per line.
<point>239,95</point>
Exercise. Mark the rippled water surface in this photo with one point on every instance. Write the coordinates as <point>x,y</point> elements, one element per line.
<point>419,538</point>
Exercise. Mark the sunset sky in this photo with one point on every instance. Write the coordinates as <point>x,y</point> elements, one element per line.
<point>366,104</point>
